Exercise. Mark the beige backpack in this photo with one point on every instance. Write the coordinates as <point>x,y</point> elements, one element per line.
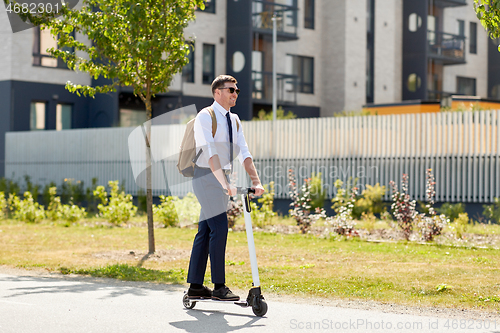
<point>187,154</point>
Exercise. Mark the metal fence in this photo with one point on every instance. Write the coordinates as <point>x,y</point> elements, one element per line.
<point>462,148</point>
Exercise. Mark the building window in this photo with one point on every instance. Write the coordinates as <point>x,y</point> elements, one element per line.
<point>132,118</point>
<point>461,28</point>
<point>473,38</point>
<point>208,63</point>
<point>63,116</point>
<point>37,116</point>
<point>209,6</point>
<point>42,41</point>
<point>188,70</point>
<point>309,14</point>
<point>466,86</point>
<point>303,68</point>
<point>495,91</point>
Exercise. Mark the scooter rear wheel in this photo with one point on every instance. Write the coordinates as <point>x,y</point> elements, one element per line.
<point>188,304</point>
<point>259,308</point>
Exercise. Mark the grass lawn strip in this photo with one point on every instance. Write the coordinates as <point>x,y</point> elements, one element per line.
<point>297,265</point>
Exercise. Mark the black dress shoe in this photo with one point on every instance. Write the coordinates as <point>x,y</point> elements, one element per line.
<point>200,293</point>
<point>224,294</point>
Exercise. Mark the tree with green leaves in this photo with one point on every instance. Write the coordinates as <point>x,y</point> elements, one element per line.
<point>488,12</point>
<point>137,43</point>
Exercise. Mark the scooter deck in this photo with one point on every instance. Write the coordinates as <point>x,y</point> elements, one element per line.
<point>240,303</point>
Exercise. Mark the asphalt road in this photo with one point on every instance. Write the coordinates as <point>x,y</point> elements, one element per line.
<point>48,304</point>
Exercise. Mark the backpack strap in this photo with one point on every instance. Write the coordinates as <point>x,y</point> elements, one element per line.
<point>214,121</point>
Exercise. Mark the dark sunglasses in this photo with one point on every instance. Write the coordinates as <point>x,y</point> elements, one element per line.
<point>232,90</point>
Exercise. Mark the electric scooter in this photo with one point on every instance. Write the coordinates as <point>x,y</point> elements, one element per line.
<point>255,299</point>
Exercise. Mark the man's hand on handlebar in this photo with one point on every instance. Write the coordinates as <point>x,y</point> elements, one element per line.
<point>259,190</point>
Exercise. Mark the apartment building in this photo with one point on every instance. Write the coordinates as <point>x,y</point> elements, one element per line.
<point>332,55</point>
<point>453,55</point>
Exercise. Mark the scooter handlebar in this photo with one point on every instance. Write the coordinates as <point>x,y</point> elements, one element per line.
<point>244,190</point>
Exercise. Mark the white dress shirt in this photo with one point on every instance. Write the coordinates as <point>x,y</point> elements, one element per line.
<point>218,145</point>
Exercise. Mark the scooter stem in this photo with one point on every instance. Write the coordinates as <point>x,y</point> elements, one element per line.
<point>251,243</point>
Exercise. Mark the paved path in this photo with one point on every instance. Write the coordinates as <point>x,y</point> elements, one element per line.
<point>46,304</point>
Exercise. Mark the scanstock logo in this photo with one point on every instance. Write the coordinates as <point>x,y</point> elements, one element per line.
<point>33,7</point>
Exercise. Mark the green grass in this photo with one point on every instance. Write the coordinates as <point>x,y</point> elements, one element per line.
<point>484,229</point>
<point>131,273</point>
<point>402,272</point>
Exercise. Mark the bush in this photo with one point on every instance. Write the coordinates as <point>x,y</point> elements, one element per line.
<point>89,196</point>
<point>165,212</point>
<point>344,195</point>
<point>343,223</point>
<point>119,208</point>
<point>142,201</point>
<point>318,194</point>
<point>280,114</point>
<point>26,210</point>
<point>72,191</point>
<point>492,212</point>
<point>57,211</point>
<point>33,189</point>
<point>369,221</point>
<point>72,212</point>
<point>371,201</point>
<point>402,208</point>
<point>263,214</point>
<point>234,210</point>
<point>3,206</point>
<point>54,211</point>
<point>188,209</point>
<point>460,225</point>
<point>301,203</point>
<point>431,224</point>
<point>8,186</point>
<point>452,211</point>
<point>46,193</point>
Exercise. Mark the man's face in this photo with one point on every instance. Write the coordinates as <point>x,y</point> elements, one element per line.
<point>224,97</point>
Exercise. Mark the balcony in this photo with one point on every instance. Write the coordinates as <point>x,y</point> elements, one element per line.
<point>450,3</point>
<point>438,95</point>
<point>262,87</point>
<point>446,48</point>
<point>286,25</point>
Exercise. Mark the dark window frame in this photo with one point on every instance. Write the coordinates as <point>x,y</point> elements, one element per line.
<point>309,8</point>
<point>470,79</point>
<point>209,7</point>
<point>38,56</point>
<point>472,37</point>
<point>299,63</point>
<point>188,70</point>
<point>461,27</point>
<point>370,52</point>
<point>208,77</point>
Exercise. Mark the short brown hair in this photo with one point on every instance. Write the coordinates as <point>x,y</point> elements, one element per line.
<point>219,81</point>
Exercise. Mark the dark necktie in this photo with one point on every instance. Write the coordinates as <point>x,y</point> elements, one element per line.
<point>228,117</point>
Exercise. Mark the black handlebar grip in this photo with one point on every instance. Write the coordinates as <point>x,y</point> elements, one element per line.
<point>244,190</point>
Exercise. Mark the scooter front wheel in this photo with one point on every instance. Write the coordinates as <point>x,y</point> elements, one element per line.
<point>259,308</point>
<point>188,304</point>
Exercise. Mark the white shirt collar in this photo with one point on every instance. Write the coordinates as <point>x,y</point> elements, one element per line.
<point>219,108</point>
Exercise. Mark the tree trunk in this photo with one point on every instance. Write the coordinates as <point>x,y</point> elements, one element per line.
<point>149,190</point>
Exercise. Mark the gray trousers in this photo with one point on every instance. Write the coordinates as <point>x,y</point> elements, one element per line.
<point>211,238</point>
